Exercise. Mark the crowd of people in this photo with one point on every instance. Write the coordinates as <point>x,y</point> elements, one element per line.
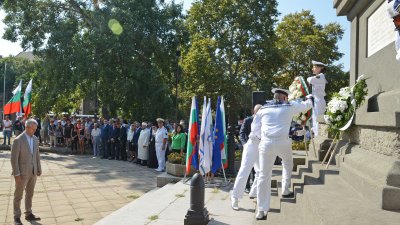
<point>144,143</point>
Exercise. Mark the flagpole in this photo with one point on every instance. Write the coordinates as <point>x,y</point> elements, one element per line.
<point>4,87</point>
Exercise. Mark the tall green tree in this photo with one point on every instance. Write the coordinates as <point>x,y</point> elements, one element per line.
<point>125,48</point>
<point>301,39</point>
<point>231,50</point>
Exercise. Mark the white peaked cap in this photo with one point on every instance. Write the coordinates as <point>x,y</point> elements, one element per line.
<point>318,63</point>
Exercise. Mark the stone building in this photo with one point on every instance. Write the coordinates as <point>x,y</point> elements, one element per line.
<point>369,157</point>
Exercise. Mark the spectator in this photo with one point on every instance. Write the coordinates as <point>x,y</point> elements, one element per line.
<point>122,141</point>
<point>143,144</point>
<point>178,140</point>
<point>59,134</point>
<point>74,139</point>
<point>68,133</point>
<point>161,144</point>
<point>135,141</point>
<point>45,129</point>
<point>52,133</point>
<point>39,127</point>
<point>96,138</point>
<point>115,141</point>
<point>152,162</point>
<point>7,124</point>
<point>81,135</point>
<point>105,136</point>
<point>18,126</point>
<point>131,132</point>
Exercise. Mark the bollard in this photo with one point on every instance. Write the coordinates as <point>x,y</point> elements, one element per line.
<point>197,214</point>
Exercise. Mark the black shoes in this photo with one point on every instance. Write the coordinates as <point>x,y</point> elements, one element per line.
<point>32,217</point>
<point>17,221</point>
<point>290,195</point>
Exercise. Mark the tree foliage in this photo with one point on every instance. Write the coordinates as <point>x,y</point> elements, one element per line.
<point>126,48</point>
<point>300,40</point>
<point>231,46</point>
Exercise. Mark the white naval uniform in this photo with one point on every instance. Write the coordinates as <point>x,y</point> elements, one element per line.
<point>318,91</point>
<point>161,134</point>
<point>275,120</point>
<point>250,158</point>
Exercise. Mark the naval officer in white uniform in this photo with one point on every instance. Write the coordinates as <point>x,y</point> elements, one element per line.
<point>272,122</point>
<point>318,83</point>
<point>249,159</point>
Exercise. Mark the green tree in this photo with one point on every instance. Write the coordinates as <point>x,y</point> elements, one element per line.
<point>124,48</point>
<point>300,40</point>
<point>231,50</point>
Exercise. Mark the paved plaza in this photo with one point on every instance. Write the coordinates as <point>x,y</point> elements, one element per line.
<point>76,189</point>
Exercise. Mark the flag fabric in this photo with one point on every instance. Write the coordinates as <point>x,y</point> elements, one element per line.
<point>224,151</point>
<point>206,137</point>
<point>219,139</point>
<point>14,105</point>
<point>193,133</point>
<point>27,104</point>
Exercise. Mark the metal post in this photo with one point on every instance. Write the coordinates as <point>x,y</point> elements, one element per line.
<point>197,214</point>
<point>4,87</point>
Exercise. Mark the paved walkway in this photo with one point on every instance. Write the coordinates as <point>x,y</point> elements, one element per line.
<point>76,189</point>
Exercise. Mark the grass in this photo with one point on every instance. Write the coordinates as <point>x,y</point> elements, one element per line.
<point>215,190</point>
<point>133,196</point>
<point>179,195</point>
<point>153,217</point>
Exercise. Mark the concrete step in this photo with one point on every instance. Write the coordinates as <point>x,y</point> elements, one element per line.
<point>336,202</point>
<point>149,206</point>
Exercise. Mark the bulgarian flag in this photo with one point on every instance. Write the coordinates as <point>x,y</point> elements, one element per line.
<point>193,134</point>
<point>224,150</point>
<point>27,104</point>
<point>14,105</point>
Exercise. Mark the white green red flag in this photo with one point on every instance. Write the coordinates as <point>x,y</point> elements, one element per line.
<point>193,134</point>
<point>27,104</point>
<point>14,105</point>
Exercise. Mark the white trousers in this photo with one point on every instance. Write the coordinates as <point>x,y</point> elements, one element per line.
<point>269,149</point>
<point>250,158</point>
<point>160,152</point>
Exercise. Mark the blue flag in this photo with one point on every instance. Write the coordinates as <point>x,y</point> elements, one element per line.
<point>219,138</point>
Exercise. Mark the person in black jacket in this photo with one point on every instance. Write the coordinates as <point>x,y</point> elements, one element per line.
<point>115,141</point>
<point>244,137</point>
<point>122,141</point>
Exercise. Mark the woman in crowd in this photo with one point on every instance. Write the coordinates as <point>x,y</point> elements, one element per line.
<point>59,134</point>
<point>74,139</point>
<point>81,136</point>
<point>178,140</point>
<point>96,135</point>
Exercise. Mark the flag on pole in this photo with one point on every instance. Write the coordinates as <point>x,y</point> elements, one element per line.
<point>206,137</point>
<point>219,139</point>
<point>192,149</point>
<point>27,104</point>
<point>14,105</point>
<point>224,151</point>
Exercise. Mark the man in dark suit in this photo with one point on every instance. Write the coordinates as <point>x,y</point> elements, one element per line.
<point>135,141</point>
<point>244,137</point>
<point>122,140</point>
<point>115,141</point>
<point>105,139</point>
<point>25,162</point>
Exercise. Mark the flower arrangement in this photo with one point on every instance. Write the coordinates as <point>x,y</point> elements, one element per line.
<point>299,89</point>
<point>341,108</point>
<point>176,158</point>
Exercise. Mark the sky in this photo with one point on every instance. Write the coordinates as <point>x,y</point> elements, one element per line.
<point>322,9</point>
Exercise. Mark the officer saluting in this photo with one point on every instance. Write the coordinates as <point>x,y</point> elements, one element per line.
<point>274,120</point>
<point>318,83</point>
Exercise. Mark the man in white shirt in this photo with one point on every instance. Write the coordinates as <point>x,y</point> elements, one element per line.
<point>7,127</point>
